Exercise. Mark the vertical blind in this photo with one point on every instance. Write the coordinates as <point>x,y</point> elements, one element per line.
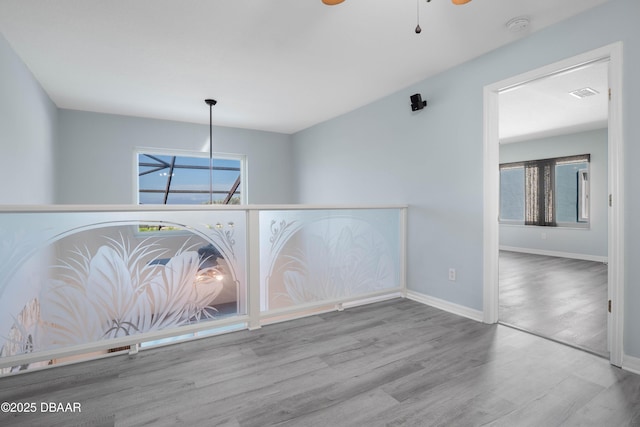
<point>539,188</point>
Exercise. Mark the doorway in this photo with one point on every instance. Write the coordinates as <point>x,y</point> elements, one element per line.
<point>553,254</point>
<point>612,55</point>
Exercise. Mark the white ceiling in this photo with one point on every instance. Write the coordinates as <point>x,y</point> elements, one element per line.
<point>545,107</point>
<point>279,65</point>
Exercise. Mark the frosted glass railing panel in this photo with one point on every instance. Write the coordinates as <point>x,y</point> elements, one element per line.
<point>311,256</point>
<point>71,278</point>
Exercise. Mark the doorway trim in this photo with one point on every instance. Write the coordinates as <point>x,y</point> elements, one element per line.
<point>491,188</point>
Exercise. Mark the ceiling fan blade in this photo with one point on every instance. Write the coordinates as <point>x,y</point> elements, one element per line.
<point>334,2</point>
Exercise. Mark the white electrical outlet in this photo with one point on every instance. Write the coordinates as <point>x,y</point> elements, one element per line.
<point>452,274</point>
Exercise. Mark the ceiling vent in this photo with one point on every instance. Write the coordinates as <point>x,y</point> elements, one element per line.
<point>584,92</point>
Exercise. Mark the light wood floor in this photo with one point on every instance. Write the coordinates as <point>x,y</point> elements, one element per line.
<point>560,298</point>
<point>395,363</point>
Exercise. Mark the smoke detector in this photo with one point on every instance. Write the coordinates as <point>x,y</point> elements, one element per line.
<point>517,25</point>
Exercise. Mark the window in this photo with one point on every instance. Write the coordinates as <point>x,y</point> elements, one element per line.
<point>171,179</point>
<point>512,193</point>
<point>547,192</point>
<point>583,195</point>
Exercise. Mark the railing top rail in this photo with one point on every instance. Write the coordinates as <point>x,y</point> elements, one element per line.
<point>169,208</point>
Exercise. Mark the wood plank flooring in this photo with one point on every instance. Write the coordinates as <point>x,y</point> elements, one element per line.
<point>560,298</point>
<point>394,363</point>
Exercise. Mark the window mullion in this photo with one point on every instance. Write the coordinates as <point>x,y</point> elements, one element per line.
<point>168,188</point>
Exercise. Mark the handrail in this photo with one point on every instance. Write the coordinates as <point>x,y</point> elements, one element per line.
<point>169,208</point>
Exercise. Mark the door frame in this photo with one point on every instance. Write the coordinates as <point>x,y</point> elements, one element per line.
<point>491,188</point>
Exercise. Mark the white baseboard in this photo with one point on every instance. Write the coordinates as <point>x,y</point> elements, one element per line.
<point>371,300</point>
<point>631,364</point>
<point>559,254</point>
<point>450,307</point>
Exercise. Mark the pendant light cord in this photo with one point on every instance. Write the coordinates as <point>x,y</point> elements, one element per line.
<point>210,103</point>
<point>210,154</point>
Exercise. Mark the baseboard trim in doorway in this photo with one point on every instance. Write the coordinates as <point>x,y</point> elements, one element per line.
<point>450,307</point>
<point>568,344</point>
<point>631,364</point>
<point>584,257</point>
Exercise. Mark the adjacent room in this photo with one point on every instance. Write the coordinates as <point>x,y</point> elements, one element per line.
<point>553,253</point>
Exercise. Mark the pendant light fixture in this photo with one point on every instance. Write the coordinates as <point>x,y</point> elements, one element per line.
<point>210,103</point>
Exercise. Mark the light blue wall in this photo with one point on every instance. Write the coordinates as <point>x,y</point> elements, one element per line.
<point>587,241</point>
<point>70,157</point>
<point>96,156</point>
<point>27,134</point>
<point>381,153</point>
<point>432,159</point>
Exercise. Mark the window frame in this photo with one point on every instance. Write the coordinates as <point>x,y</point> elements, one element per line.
<point>544,213</point>
<point>243,187</point>
<point>584,195</point>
